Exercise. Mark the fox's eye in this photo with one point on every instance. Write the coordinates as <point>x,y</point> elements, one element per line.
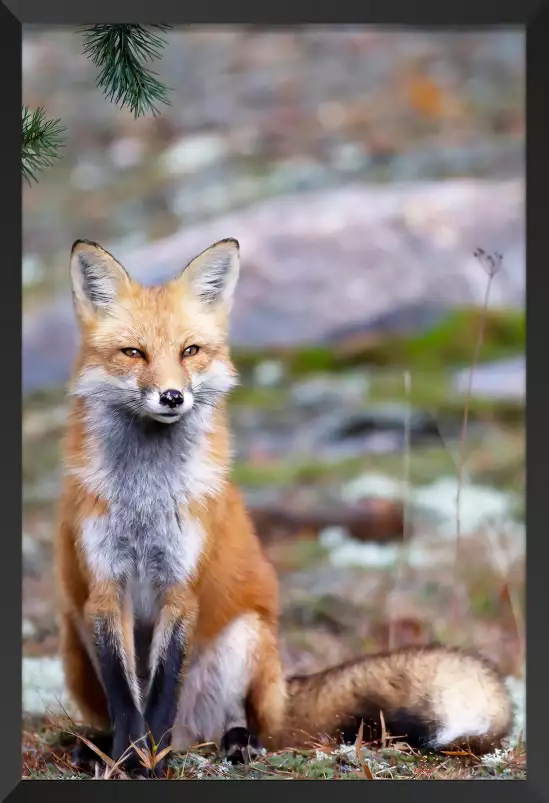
<point>133,353</point>
<point>190,351</point>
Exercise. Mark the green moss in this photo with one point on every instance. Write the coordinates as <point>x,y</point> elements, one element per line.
<point>504,468</point>
<point>40,458</point>
<point>259,397</point>
<point>450,342</point>
<point>484,604</point>
<point>282,472</point>
<point>45,398</point>
<point>454,340</point>
<point>432,391</point>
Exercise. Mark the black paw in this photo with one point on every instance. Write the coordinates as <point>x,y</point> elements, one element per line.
<point>134,769</point>
<point>239,746</point>
<point>84,758</point>
<point>128,731</point>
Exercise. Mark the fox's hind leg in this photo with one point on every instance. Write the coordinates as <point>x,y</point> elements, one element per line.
<point>259,715</point>
<point>266,698</point>
<point>233,690</point>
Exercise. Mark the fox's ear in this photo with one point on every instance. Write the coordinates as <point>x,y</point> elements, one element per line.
<point>213,274</point>
<point>97,278</point>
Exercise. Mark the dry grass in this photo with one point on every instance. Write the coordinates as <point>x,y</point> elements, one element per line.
<point>47,755</point>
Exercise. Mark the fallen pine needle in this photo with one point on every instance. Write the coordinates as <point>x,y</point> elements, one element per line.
<point>358,747</point>
<point>383,730</point>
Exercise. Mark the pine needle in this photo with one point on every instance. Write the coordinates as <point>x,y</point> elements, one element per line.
<point>367,772</point>
<point>40,142</point>
<point>120,52</point>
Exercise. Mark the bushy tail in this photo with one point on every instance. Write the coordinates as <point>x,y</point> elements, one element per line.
<point>431,697</point>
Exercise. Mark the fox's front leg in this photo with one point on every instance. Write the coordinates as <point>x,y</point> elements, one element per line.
<point>169,646</point>
<point>107,622</point>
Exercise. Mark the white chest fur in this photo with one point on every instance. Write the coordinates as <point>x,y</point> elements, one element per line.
<point>148,553</point>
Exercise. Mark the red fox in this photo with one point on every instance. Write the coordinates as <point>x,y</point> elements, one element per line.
<point>169,614</point>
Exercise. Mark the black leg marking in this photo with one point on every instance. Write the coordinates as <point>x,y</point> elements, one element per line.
<point>239,746</point>
<point>164,691</point>
<point>127,720</point>
<point>142,638</point>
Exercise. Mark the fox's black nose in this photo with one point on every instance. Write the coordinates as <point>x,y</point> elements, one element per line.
<point>171,398</point>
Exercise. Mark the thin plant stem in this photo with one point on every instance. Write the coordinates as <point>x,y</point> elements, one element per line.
<point>403,552</point>
<point>491,263</point>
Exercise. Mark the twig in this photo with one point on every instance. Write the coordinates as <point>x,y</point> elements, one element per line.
<point>403,551</point>
<point>491,264</point>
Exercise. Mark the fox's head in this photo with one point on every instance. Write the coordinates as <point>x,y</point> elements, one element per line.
<point>154,352</point>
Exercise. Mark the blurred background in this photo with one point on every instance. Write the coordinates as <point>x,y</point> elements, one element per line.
<point>360,168</point>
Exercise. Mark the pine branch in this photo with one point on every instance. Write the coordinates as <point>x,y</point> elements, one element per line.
<point>40,142</point>
<point>120,52</point>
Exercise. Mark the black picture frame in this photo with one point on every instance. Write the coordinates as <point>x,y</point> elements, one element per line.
<point>533,17</point>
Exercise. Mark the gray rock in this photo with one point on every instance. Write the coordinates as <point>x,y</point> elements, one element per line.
<point>377,429</point>
<point>343,257</point>
<point>269,373</point>
<point>480,506</point>
<point>402,320</point>
<point>321,391</point>
<point>28,629</point>
<point>44,688</point>
<point>497,380</point>
<point>33,554</point>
